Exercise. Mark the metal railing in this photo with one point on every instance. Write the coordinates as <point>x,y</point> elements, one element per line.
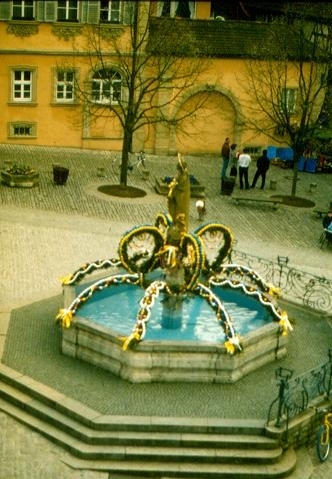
<point>296,286</point>
<point>297,394</point>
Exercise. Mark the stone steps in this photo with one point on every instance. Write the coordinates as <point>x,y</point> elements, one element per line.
<point>194,470</point>
<point>148,446</point>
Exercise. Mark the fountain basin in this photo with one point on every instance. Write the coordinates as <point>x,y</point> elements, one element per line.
<point>168,360</point>
<point>171,361</point>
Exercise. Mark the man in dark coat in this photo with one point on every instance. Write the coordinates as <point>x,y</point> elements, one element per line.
<point>225,154</point>
<point>263,164</point>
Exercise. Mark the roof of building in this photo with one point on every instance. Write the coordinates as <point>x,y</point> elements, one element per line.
<point>217,38</point>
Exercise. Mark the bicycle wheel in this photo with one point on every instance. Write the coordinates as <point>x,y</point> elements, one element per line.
<point>116,165</point>
<point>323,442</point>
<point>142,168</point>
<point>322,239</point>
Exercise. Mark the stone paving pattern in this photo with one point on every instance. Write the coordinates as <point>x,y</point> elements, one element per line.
<point>48,231</point>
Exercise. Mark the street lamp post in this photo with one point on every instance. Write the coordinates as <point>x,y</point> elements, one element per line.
<point>282,262</point>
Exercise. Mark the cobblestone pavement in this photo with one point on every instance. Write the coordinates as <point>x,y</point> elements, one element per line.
<point>48,231</point>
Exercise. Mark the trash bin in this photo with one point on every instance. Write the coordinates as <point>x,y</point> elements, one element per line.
<point>311,165</point>
<point>60,175</point>
<point>227,186</point>
<point>301,164</point>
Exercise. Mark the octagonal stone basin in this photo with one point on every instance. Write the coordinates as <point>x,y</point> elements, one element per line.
<point>188,352</point>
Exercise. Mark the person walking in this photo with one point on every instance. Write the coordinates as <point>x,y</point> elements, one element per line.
<point>225,153</point>
<point>243,162</point>
<point>263,164</point>
<point>327,225</point>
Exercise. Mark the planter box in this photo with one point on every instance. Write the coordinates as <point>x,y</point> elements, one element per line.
<point>196,191</point>
<point>22,181</point>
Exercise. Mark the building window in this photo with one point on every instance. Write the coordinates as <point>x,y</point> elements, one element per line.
<point>288,100</point>
<point>22,129</point>
<point>182,8</point>
<point>106,87</point>
<point>22,85</point>
<point>67,10</point>
<point>23,10</point>
<point>110,11</point>
<point>165,9</point>
<point>64,88</point>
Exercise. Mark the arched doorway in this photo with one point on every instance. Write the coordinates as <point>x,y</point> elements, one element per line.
<point>205,131</point>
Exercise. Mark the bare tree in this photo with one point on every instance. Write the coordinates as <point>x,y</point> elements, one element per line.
<point>286,82</point>
<point>148,81</point>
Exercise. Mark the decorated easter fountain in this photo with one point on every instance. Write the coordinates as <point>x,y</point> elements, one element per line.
<point>174,308</point>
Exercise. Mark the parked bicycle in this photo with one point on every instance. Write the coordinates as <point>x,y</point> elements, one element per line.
<point>138,164</point>
<point>323,436</point>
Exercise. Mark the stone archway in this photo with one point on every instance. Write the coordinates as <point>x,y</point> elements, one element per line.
<point>205,132</point>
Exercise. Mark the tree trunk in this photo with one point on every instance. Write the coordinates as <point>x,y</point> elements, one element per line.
<point>294,179</point>
<point>298,151</point>
<point>126,147</point>
<point>130,116</point>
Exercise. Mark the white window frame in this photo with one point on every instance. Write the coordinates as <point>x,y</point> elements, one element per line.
<point>22,129</point>
<point>24,8</point>
<point>67,9</point>
<point>113,9</point>
<point>289,100</point>
<point>22,85</point>
<point>65,84</point>
<point>105,89</point>
<point>174,6</point>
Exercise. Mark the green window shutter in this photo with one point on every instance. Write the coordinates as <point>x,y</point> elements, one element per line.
<point>128,11</point>
<point>50,11</point>
<point>40,15</point>
<point>5,11</point>
<point>92,14</point>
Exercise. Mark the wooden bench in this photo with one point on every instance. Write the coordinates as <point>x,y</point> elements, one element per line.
<point>246,199</point>
<point>320,213</point>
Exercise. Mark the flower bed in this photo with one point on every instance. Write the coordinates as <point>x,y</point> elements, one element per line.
<point>196,189</point>
<point>20,176</point>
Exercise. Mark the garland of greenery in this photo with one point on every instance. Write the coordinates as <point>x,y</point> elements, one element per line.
<point>224,251</point>
<point>165,219</point>
<point>235,276</point>
<point>150,263</point>
<point>89,268</point>
<point>232,340</point>
<point>194,268</point>
<point>144,313</point>
<point>65,315</point>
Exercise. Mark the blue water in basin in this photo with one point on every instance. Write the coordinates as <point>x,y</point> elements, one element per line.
<point>116,307</point>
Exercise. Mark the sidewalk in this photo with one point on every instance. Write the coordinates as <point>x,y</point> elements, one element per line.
<point>50,230</point>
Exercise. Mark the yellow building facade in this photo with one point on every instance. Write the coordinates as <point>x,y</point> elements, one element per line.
<point>45,61</point>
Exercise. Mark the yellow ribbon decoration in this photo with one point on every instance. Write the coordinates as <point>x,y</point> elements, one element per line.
<point>65,317</point>
<point>230,348</point>
<point>66,279</point>
<point>134,337</point>
<point>274,291</point>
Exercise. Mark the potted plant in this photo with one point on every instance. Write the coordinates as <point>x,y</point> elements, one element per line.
<point>20,175</point>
